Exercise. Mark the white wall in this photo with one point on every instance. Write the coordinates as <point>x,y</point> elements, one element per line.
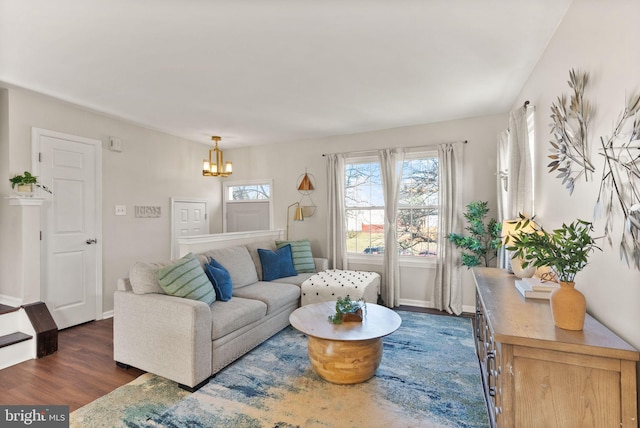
<point>601,38</point>
<point>152,168</point>
<point>285,162</point>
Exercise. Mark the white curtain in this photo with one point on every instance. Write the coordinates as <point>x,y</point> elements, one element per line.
<point>391,161</point>
<point>447,290</point>
<point>520,164</point>
<point>502,189</point>
<point>515,170</point>
<point>336,251</point>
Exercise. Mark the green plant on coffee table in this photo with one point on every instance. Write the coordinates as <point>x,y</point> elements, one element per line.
<point>565,250</point>
<point>27,179</point>
<point>484,240</point>
<point>346,306</point>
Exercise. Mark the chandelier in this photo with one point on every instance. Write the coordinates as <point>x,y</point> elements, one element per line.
<point>215,165</point>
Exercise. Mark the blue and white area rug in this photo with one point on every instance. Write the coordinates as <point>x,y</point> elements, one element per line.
<point>429,377</point>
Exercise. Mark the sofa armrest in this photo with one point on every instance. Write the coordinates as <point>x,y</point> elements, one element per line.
<point>165,335</point>
<point>322,264</point>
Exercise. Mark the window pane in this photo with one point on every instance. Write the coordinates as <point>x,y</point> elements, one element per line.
<point>417,231</point>
<point>363,185</point>
<point>365,231</point>
<point>419,185</point>
<point>249,193</point>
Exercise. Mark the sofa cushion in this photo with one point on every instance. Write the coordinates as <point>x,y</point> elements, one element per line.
<point>301,254</point>
<point>185,278</point>
<point>253,251</point>
<point>276,264</point>
<point>220,279</point>
<point>295,280</point>
<point>274,294</point>
<point>237,261</point>
<point>230,316</point>
<point>143,278</point>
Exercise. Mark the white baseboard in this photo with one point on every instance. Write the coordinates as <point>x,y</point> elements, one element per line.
<point>10,300</point>
<point>416,303</point>
<point>108,314</point>
<point>468,309</point>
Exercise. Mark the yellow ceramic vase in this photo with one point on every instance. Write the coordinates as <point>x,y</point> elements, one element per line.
<point>568,307</point>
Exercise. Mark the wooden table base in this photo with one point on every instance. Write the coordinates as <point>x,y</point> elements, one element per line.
<point>345,362</point>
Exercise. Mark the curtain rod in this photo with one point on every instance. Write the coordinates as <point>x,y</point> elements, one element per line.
<point>360,152</point>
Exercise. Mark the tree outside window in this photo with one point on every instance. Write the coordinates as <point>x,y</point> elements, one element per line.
<point>249,192</point>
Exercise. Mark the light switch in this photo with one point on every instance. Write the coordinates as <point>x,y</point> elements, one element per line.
<point>121,210</point>
<point>115,144</point>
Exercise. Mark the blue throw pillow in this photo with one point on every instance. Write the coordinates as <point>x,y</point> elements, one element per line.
<point>276,264</point>
<point>220,279</point>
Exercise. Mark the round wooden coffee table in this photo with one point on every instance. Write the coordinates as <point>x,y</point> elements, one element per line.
<point>344,353</point>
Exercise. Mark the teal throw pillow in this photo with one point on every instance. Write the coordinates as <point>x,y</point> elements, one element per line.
<point>276,264</point>
<point>301,254</point>
<point>186,278</point>
<point>220,278</point>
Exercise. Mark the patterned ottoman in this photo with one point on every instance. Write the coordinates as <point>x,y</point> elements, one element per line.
<point>331,284</point>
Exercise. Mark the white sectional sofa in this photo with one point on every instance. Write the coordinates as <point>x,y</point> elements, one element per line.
<point>188,341</point>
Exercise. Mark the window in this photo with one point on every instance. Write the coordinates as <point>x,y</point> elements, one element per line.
<point>247,206</point>
<point>249,192</point>
<point>417,206</point>
<point>364,205</point>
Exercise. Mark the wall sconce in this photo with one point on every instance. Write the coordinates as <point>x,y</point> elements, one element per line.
<point>305,187</point>
<point>297,215</point>
<point>215,165</point>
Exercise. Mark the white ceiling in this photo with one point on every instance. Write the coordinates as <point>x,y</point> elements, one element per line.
<point>263,71</point>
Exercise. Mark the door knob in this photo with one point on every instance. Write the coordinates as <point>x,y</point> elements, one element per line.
<point>91,241</point>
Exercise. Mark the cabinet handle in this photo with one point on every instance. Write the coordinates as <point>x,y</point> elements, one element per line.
<point>492,391</point>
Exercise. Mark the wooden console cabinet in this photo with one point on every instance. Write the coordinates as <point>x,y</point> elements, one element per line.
<point>537,375</point>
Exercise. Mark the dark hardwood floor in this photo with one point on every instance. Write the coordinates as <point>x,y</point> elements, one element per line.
<point>81,371</point>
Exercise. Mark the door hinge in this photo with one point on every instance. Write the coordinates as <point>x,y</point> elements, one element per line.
<point>39,156</point>
<point>41,235</point>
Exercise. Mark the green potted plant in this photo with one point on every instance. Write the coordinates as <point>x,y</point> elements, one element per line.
<point>565,251</point>
<point>484,240</point>
<point>25,183</point>
<point>348,310</point>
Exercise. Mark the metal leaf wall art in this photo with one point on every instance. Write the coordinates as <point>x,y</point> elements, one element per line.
<point>620,184</point>
<point>570,155</point>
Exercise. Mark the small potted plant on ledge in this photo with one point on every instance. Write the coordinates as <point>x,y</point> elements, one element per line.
<point>24,184</point>
<point>348,310</point>
<point>564,250</point>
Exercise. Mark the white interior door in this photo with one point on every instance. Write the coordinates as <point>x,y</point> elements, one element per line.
<point>189,218</point>
<point>71,242</point>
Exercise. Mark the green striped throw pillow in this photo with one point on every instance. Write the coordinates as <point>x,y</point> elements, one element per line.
<point>301,253</point>
<point>186,278</point>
